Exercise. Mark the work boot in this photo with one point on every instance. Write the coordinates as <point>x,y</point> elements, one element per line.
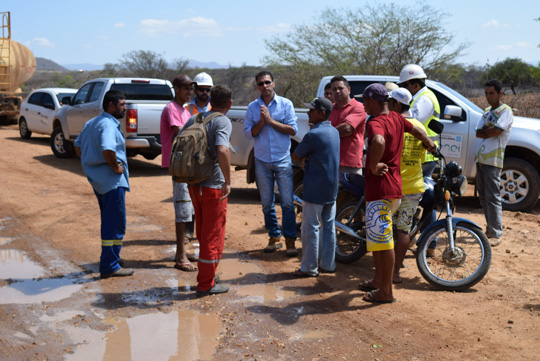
<point>121,272</point>
<point>274,243</point>
<point>291,249</point>
<point>215,290</point>
<point>494,241</point>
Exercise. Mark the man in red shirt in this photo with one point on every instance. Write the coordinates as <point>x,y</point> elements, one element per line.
<point>349,118</point>
<point>383,186</point>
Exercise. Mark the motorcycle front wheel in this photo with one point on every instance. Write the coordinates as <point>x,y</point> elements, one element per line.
<point>350,248</point>
<point>458,270</point>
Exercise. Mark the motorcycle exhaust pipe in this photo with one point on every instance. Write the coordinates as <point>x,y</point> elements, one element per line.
<point>343,228</point>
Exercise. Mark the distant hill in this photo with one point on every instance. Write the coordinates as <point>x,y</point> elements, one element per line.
<point>84,66</point>
<point>48,65</point>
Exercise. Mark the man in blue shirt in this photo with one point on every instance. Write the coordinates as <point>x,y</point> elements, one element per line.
<point>270,121</point>
<point>102,148</point>
<point>319,150</point>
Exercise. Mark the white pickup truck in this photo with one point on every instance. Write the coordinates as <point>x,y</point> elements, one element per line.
<point>520,180</point>
<point>145,100</point>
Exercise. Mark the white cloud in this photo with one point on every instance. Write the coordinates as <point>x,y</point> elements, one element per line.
<point>495,24</point>
<point>196,27</point>
<point>275,29</point>
<point>120,25</point>
<point>41,42</point>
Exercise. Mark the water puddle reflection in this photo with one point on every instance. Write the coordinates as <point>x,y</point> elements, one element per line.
<point>265,293</point>
<point>26,283</point>
<point>182,335</point>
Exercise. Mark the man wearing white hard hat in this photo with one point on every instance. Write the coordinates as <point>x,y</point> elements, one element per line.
<point>424,106</point>
<point>201,102</point>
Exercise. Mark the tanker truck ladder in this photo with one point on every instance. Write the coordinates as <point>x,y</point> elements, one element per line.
<point>5,53</point>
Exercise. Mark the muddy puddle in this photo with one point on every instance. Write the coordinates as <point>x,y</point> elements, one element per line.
<point>27,282</point>
<point>181,335</point>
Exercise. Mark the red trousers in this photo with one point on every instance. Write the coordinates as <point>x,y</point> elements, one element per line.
<point>210,219</point>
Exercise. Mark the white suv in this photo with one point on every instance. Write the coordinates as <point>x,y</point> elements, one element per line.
<point>39,108</point>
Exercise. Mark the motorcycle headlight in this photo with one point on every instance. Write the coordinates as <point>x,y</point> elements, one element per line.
<point>453,169</point>
<point>459,185</point>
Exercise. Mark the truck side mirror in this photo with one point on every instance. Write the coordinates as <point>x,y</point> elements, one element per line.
<point>66,101</point>
<point>453,113</point>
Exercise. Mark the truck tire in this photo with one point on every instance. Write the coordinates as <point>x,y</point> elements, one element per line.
<point>520,185</point>
<point>23,129</point>
<point>60,146</point>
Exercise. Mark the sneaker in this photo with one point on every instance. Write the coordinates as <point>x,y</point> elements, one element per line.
<point>121,272</point>
<point>494,241</point>
<point>217,289</point>
<point>291,249</point>
<point>274,243</point>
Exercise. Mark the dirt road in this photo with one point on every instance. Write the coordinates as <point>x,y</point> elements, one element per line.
<point>54,306</point>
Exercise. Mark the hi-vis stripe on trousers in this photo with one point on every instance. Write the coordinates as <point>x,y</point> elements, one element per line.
<point>113,228</point>
<point>210,219</point>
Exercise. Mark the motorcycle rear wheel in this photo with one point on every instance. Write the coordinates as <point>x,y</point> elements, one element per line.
<point>456,271</point>
<point>349,248</point>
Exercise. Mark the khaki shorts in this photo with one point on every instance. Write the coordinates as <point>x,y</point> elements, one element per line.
<point>403,217</point>
<point>379,224</point>
<point>183,209</point>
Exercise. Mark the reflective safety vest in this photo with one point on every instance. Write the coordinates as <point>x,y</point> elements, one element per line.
<point>192,109</point>
<point>436,115</point>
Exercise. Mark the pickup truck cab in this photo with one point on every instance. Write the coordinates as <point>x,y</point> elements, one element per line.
<point>145,100</point>
<point>520,180</point>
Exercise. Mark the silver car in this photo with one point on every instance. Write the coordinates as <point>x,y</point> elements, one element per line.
<point>38,110</point>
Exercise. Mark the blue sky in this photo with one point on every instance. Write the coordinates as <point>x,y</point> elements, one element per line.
<point>233,32</point>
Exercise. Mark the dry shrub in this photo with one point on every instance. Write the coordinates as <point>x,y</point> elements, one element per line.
<point>523,105</point>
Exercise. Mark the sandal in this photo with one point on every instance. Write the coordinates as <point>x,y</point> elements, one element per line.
<point>186,267</point>
<point>366,286</point>
<point>370,298</point>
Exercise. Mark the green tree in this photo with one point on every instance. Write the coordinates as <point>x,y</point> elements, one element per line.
<point>149,64</point>
<point>378,39</point>
<point>512,72</point>
<point>67,82</point>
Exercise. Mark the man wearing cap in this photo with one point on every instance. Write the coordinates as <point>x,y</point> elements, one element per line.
<point>319,152</point>
<point>424,106</point>
<point>201,102</point>
<point>349,118</point>
<point>383,186</point>
<point>412,181</point>
<point>173,118</point>
<point>270,121</point>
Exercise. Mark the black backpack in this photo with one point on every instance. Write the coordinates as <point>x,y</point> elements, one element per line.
<point>191,160</point>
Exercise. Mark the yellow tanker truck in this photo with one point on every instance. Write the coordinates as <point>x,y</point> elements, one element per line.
<point>17,65</point>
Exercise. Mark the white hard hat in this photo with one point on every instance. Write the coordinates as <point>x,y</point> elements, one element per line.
<point>411,71</point>
<point>203,79</point>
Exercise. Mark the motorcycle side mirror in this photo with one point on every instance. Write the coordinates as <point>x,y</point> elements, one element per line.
<point>436,126</point>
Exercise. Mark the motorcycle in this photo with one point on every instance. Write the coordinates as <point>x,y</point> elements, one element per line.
<point>452,253</point>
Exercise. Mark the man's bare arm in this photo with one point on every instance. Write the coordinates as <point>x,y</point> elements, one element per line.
<point>377,145</point>
<point>112,161</point>
<point>224,160</point>
<point>344,129</point>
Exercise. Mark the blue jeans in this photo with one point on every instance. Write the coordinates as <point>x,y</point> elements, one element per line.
<point>281,172</point>
<point>315,239</point>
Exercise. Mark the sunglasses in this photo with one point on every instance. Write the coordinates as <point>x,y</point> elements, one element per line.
<point>208,90</point>
<point>261,83</point>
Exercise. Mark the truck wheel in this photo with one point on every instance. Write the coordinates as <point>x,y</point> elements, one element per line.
<point>23,129</point>
<point>520,185</point>
<point>60,146</point>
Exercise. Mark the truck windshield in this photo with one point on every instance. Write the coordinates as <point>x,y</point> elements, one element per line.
<point>144,91</point>
<point>461,97</point>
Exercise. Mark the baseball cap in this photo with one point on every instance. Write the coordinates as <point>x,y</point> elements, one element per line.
<point>320,104</point>
<point>402,95</point>
<point>182,79</point>
<point>375,91</point>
